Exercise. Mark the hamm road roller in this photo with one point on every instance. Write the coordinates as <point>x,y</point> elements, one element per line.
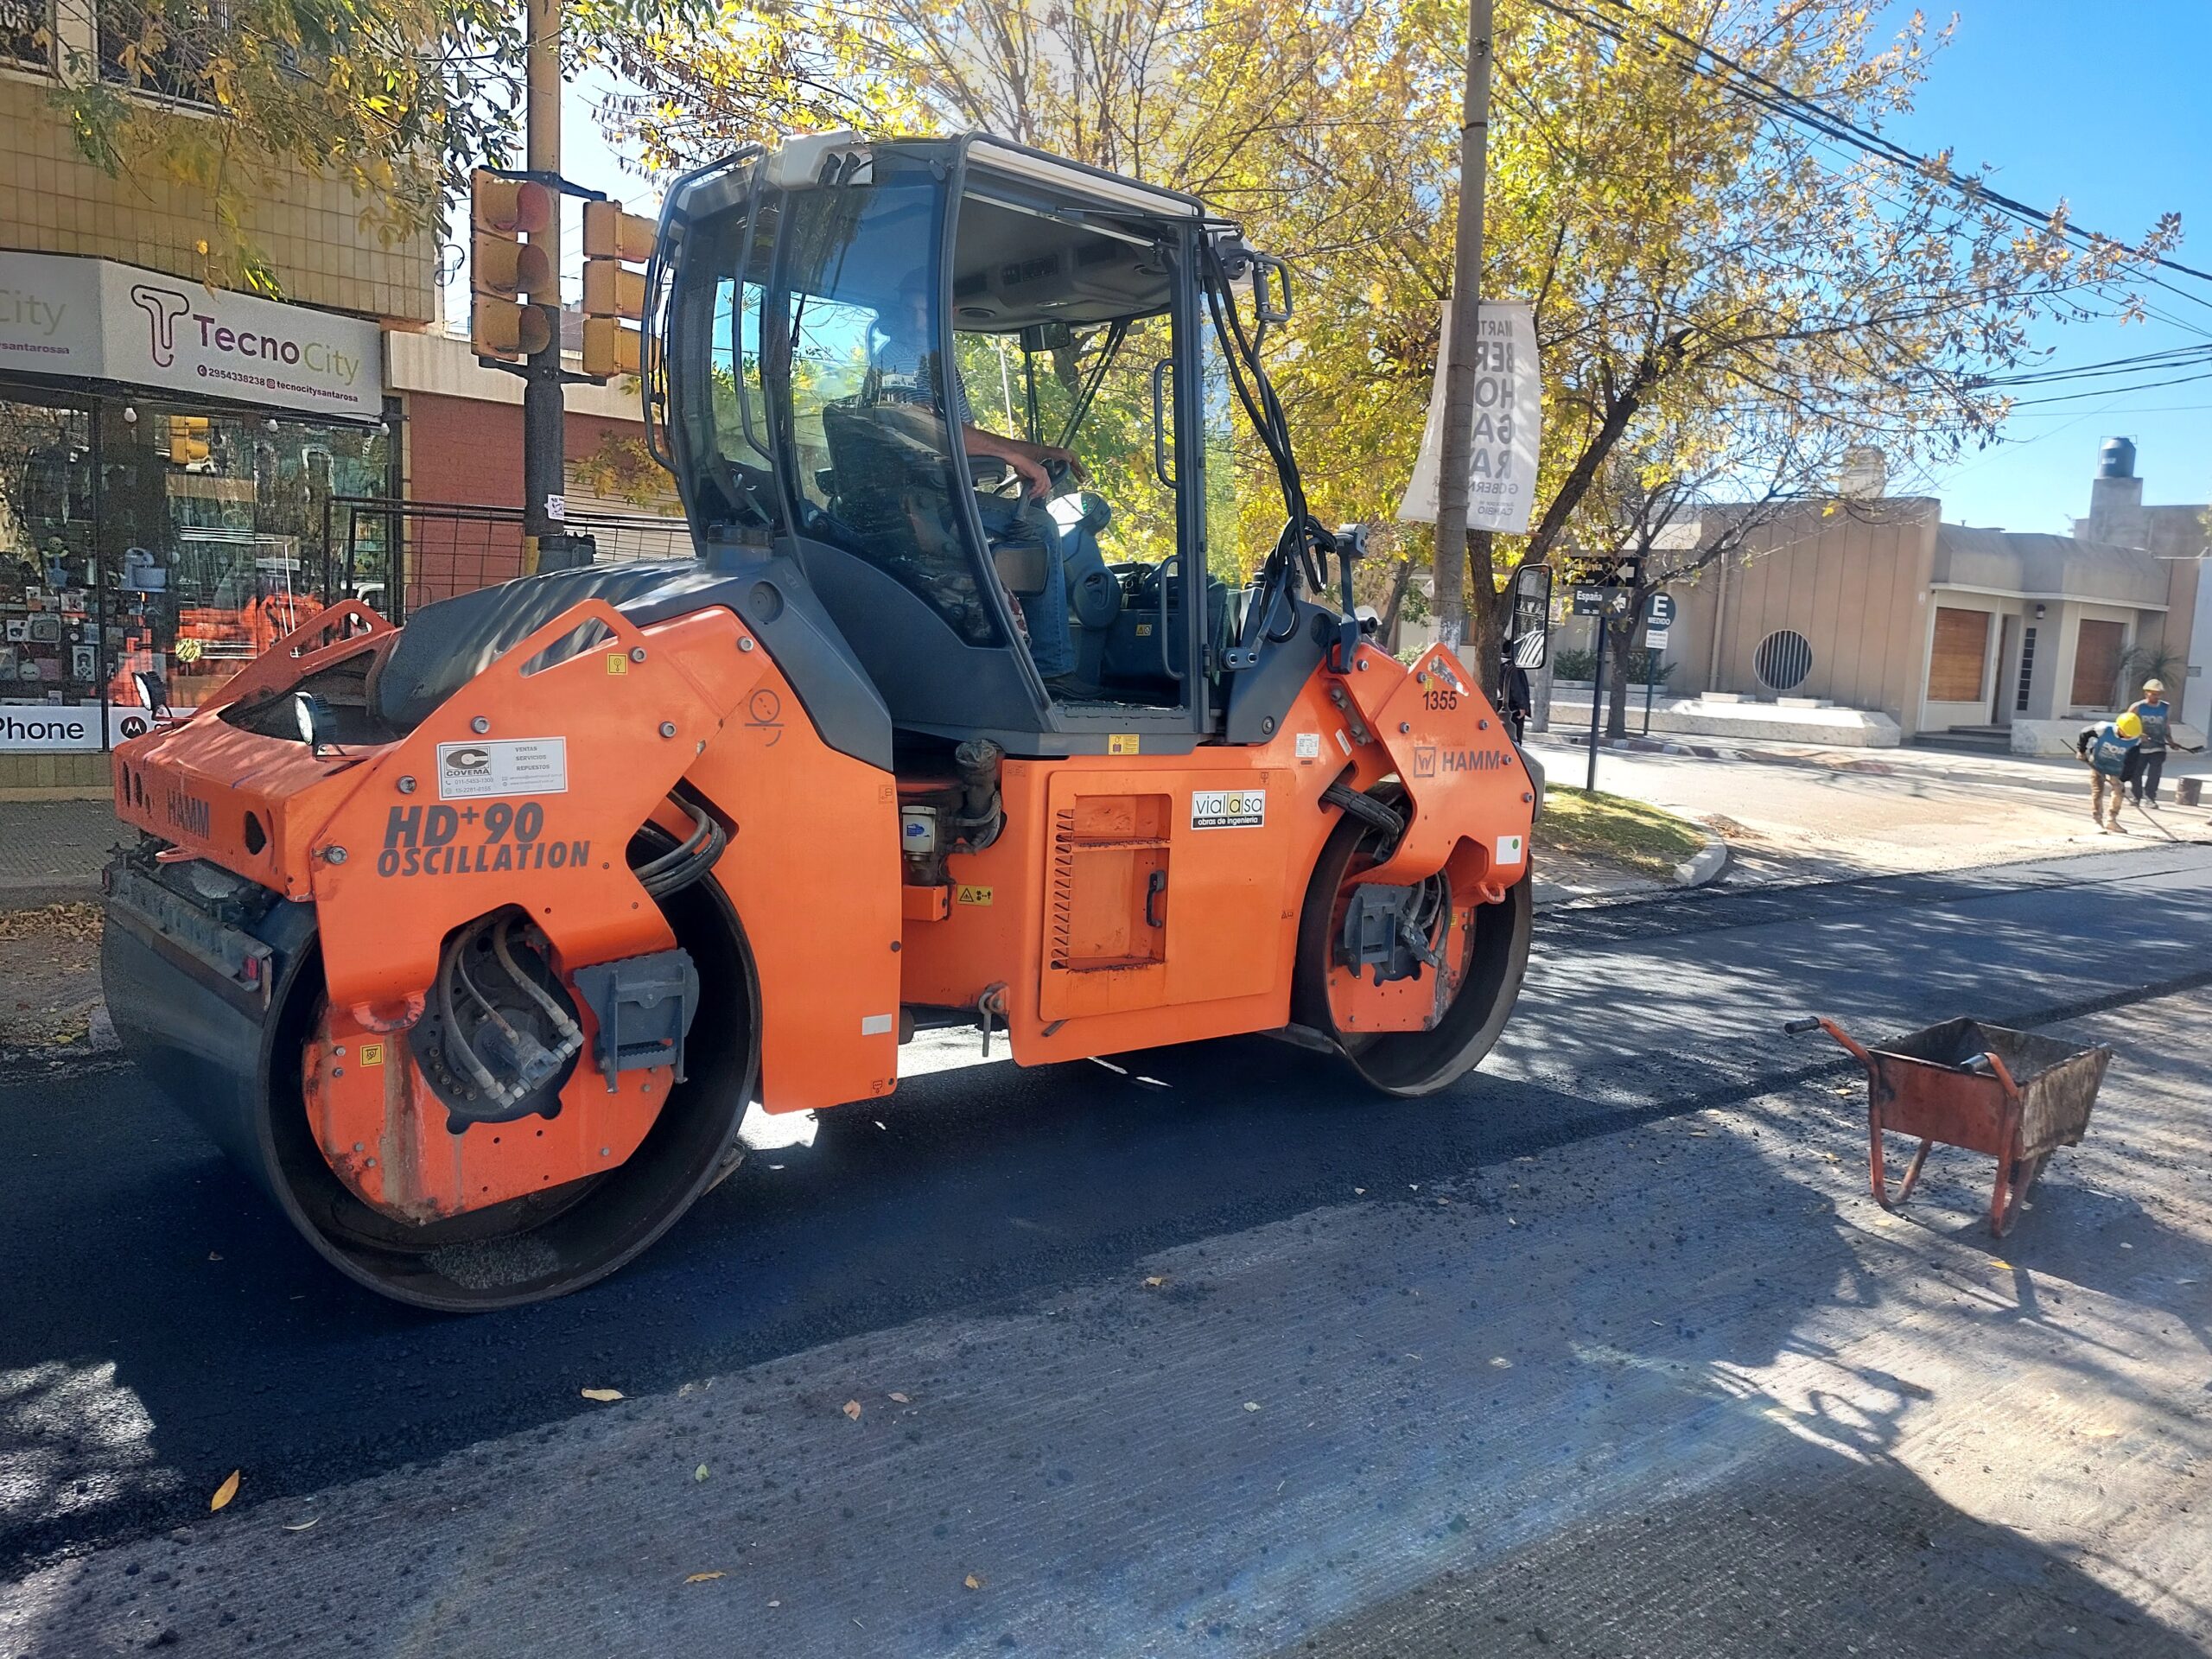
<point>981,702</point>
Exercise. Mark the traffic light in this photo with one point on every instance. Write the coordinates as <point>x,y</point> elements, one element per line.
<point>191,438</point>
<point>511,280</point>
<point>613,293</point>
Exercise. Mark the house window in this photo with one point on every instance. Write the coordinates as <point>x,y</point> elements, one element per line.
<point>1958,656</point>
<point>162,49</point>
<point>26,34</point>
<point>2027,670</point>
<point>1783,659</point>
<point>2097,651</point>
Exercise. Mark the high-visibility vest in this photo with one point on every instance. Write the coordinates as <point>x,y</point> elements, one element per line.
<point>2108,752</point>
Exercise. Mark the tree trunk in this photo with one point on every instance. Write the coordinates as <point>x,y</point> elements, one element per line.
<point>1486,621</point>
<point>1620,645</point>
<point>1388,629</point>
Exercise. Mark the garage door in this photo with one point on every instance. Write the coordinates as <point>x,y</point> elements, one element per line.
<point>2097,663</point>
<point>1954,664</point>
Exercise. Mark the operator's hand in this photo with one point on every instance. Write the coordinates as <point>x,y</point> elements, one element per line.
<point>1077,472</point>
<point>1040,481</point>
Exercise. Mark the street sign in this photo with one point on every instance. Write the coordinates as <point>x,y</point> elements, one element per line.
<point>1589,602</point>
<point>1660,612</point>
<point>1622,571</point>
<point>1654,638</point>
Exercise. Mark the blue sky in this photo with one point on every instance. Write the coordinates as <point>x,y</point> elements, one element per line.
<point>2105,106</point>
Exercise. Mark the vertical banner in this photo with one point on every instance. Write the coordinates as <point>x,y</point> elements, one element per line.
<point>1509,424</point>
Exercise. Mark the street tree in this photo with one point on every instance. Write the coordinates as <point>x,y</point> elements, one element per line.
<point>396,99</point>
<point>1687,250</point>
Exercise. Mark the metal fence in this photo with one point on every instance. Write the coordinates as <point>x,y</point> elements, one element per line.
<point>397,556</point>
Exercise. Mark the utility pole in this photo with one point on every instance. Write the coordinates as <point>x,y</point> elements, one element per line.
<point>1460,365</point>
<point>543,422</point>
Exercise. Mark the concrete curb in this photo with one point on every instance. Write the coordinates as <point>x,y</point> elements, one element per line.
<point>1704,864</point>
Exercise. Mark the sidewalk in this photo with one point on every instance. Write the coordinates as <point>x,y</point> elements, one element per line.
<point>52,851</point>
<point>2054,774</point>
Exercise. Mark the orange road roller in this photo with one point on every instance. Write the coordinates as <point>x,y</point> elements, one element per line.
<point>980,701</point>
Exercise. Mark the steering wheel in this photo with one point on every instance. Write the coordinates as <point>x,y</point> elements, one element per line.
<point>1013,487</point>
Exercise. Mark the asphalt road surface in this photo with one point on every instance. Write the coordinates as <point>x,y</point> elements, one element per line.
<point>1605,1352</point>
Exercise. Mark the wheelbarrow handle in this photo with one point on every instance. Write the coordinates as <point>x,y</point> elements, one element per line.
<point>1815,1022</point>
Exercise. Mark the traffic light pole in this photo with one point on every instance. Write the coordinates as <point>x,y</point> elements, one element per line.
<point>544,418</point>
<point>1458,452</point>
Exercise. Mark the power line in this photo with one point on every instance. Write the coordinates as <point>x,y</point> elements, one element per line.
<point>1802,112</point>
<point>1866,138</point>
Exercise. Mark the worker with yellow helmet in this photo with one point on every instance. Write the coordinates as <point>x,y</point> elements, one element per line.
<point>2112,748</point>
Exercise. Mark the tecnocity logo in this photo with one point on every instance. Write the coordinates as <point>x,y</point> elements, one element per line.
<point>164,308</point>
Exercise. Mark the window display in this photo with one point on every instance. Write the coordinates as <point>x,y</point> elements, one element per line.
<point>140,536</point>
<point>49,626</point>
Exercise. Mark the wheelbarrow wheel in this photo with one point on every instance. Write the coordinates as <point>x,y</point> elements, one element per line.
<point>2014,1177</point>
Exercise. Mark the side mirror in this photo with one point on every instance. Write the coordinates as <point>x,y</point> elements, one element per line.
<point>1529,617</point>
<point>153,694</point>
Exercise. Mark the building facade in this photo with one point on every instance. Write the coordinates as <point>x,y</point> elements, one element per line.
<point>1949,630</point>
<point>166,446</point>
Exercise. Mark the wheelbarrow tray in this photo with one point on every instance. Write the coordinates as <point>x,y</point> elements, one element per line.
<point>2011,1094</point>
<point>1929,1096</point>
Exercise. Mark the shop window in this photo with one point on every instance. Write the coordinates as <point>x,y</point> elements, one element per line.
<point>1783,659</point>
<point>26,34</point>
<point>50,643</point>
<point>2027,672</point>
<point>218,539</point>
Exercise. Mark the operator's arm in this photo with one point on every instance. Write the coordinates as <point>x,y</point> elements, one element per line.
<point>1026,459</point>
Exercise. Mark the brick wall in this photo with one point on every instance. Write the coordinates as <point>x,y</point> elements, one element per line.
<point>468,452</point>
<point>52,201</point>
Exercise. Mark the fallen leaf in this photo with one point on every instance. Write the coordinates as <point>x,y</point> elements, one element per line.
<point>1994,1262</point>
<point>225,1492</point>
<point>704,1578</point>
<point>1359,1191</point>
<point>1155,1281</point>
<point>300,1525</point>
<point>214,1256</point>
<point>700,1473</point>
<point>1506,1364</point>
<point>972,1582</point>
<point>851,1409</point>
<point>1251,1405</point>
<point>775,1603</point>
<point>901,1399</point>
<point>603,1396</point>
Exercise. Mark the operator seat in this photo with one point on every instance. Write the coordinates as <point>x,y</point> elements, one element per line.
<point>887,467</point>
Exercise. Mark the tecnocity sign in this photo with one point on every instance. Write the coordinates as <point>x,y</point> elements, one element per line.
<point>101,321</point>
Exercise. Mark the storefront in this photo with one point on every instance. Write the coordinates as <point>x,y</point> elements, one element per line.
<point>165,453</point>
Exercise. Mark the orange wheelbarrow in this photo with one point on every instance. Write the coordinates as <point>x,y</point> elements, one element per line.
<point>2010,1093</point>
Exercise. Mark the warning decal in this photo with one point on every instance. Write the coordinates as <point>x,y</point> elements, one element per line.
<point>522,765</point>
<point>1509,850</point>
<point>1309,745</point>
<point>1227,809</point>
